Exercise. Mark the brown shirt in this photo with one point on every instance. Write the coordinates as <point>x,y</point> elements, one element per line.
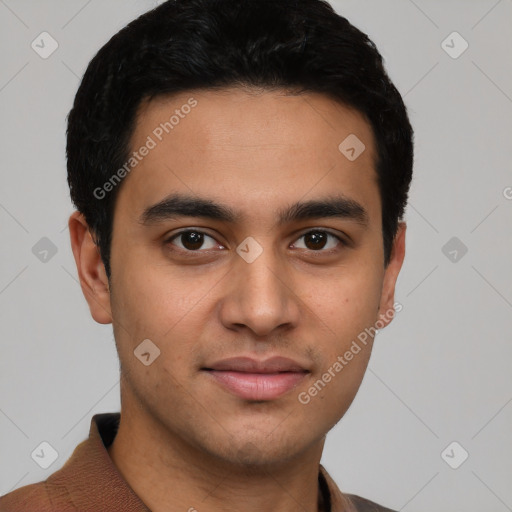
<point>90,482</point>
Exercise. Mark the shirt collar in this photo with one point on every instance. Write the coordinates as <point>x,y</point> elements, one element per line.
<point>90,467</point>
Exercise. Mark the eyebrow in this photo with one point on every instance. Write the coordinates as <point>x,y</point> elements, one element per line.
<point>175,206</point>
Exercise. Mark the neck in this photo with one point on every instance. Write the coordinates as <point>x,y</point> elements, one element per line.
<point>170,475</point>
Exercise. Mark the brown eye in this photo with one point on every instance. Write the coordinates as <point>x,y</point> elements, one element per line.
<point>317,240</point>
<point>192,240</point>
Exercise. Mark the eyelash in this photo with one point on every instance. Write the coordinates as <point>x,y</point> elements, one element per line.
<point>328,251</point>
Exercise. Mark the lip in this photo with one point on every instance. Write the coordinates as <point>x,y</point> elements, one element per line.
<point>252,379</point>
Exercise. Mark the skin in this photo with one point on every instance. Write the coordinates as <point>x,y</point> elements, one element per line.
<point>184,441</point>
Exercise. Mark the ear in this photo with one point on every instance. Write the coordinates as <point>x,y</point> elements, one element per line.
<point>91,271</point>
<point>387,300</point>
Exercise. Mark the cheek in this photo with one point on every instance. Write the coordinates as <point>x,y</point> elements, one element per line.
<point>348,304</point>
<point>149,297</point>
<point>151,303</point>
<point>349,310</point>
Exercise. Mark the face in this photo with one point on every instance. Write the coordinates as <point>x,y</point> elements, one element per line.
<point>254,302</point>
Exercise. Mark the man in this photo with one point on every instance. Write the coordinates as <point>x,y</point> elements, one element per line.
<point>240,170</point>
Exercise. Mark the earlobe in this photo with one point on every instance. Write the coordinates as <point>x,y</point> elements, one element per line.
<point>386,308</point>
<point>90,267</point>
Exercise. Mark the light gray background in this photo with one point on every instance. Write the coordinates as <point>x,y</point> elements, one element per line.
<point>441,372</point>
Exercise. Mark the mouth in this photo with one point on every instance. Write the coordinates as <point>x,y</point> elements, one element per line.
<point>255,380</point>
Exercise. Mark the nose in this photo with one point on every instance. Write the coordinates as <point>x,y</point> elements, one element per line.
<point>260,296</point>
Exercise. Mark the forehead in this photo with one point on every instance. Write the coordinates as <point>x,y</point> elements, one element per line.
<point>250,149</point>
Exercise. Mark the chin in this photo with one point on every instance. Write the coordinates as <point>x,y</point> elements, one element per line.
<point>259,451</point>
